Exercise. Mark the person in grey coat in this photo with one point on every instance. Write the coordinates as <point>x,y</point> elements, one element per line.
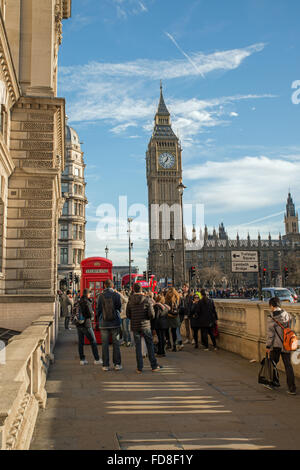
<point>66,307</point>
<point>274,341</point>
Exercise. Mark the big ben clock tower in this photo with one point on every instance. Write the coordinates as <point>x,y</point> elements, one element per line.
<point>164,174</point>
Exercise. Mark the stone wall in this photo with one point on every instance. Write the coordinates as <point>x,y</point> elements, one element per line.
<point>18,312</point>
<point>242,328</point>
<point>23,373</point>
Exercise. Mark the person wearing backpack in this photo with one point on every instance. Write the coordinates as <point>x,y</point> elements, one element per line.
<point>84,327</point>
<point>277,321</point>
<point>140,312</point>
<point>109,310</point>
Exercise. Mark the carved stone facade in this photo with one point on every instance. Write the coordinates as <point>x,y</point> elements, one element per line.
<point>71,236</point>
<point>32,133</point>
<point>164,174</point>
<point>215,251</point>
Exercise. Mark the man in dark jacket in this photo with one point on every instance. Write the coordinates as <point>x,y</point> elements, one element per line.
<point>140,312</point>
<point>86,329</point>
<point>207,317</point>
<point>109,313</point>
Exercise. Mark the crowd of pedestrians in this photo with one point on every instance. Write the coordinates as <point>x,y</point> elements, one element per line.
<point>240,293</point>
<point>152,323</point>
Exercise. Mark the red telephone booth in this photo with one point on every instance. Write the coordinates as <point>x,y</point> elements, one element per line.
<point>94,272</point>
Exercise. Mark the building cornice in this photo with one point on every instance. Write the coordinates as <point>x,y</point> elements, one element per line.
<point>66,9</point>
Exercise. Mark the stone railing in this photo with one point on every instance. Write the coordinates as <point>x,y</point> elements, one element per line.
<point>242,326</point>
<point>22,382</point>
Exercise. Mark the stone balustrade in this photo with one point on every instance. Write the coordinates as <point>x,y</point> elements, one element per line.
<point>242,326</point>
<point>22,381</point>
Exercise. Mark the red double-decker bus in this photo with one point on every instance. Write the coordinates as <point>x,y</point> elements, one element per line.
<point>149,285</point>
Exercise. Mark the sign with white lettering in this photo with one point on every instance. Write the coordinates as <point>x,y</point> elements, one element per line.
<point>244,256</point>
<point>244,267</point>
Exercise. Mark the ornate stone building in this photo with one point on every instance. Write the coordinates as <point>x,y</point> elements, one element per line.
<point>71,237</point>
<point>32,128</point>
<point>217,248</point>
<point>164,174</point>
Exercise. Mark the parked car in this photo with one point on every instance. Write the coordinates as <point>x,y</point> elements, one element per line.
<point>297,290</point>
<point>294,293</point>
<point>282,293</point>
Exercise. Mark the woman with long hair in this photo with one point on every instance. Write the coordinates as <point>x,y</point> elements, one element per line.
<point>161,324</point>
<point>173,300</point>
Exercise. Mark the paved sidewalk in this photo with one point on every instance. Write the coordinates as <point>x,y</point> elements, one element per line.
<point>200,400</point>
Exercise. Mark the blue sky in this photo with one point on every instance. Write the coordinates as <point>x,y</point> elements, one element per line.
<point>227,71</point>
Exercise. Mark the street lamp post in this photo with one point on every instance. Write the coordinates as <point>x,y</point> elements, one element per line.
<point>171,246</point>
<point>181,189</point>
<point>129,220</point>
<point>106,251</point>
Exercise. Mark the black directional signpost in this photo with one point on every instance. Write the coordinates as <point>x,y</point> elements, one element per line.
<point>247,262</point>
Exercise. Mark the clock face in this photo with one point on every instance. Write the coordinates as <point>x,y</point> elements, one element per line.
<point>166,160</point>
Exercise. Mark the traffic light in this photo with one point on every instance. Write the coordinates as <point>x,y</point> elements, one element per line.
<point>71,276</point>
<point>264,273</point>
<point>286,272</point>
<point>145,274</point>
<point>193,272</point>
<point>76,278</point>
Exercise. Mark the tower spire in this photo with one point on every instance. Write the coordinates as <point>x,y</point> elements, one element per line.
<point>162,109</point>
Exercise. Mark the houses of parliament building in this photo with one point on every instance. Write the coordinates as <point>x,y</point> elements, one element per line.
<point>274,253</point>
<point>164,177</point>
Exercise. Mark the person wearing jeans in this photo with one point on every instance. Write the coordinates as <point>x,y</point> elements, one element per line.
<point>105,335</point>
<point>108,309</point>
<point>126,338</point>
<point>147,335</point>
<point>88,332</point>
<point>140,311</point>
<point>86,329</point>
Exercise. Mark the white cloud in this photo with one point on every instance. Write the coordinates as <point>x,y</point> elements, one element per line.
<point>125,8</point>
<point>118,94</point>
<point>167,69</point>
<point>243,184</point>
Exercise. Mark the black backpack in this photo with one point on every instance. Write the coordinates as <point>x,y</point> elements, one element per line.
<point>108,308</point>
<point>78,319</point>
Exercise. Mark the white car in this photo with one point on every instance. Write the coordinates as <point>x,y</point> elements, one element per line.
<point>282,293</point>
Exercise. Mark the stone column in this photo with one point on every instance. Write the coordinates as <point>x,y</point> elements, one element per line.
<point>37,142</point>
